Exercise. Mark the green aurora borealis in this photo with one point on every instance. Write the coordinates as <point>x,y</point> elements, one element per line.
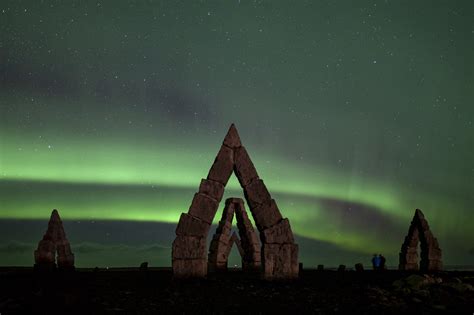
<point>354,114</point>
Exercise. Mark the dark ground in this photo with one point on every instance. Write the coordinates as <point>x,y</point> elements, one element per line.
<point>129,291</point>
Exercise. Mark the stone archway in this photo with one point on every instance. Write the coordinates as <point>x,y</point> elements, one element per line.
<point>54,242</point>
<point>221,243</point>
<point>419,233</point>
<point>279,253</point>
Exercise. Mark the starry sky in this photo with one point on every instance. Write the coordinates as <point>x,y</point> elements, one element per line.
<point>355,113</point>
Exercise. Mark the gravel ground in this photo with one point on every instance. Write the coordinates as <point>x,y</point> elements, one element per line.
<point>129,291</point>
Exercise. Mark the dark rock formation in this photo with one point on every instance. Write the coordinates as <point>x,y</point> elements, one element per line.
<point>279,253</point>
<point>419,232</point>
<point>221,243</point>
<point>54,247</point>
<point>144,266</point>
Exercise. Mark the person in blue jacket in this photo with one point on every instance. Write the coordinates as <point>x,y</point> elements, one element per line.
<point>376,262</point>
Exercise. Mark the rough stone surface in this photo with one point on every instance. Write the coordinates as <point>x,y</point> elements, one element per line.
<point>192,226</point>
<point>211,188</point>
<point>203,207</point>
<point>189,247</point>
<point>256,193</point>
<point>54,242</point>
<point>266,215</point>
<point>223,166</point>
<point>232,139</point>
<point>280,233</point>
<point>189,268</point>
<point>431,255</point>
<point>244,168</point>
<point>280,261</point>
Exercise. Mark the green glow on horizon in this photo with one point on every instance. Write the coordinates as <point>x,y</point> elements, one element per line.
<point>171,166</point>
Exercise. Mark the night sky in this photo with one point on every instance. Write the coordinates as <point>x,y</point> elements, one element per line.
<point>355,113</point>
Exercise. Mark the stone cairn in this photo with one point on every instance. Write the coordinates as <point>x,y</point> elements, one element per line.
<point>419,232</point>
<point>279,253</point>
<point>221,243</point>
<point>54,241</point>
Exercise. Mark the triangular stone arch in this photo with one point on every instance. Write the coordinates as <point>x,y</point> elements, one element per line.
<point>54,242</point>
<point>420,233</point>
<point>221,243</point>
<point>279,253</point>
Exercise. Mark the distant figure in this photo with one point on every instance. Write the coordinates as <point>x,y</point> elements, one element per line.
<point>376,262</point>
<point>382,262</point>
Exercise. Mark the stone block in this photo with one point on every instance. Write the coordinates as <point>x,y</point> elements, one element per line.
<point>228,213</point>
<point>256,193</point>
<point>280,261</point>
<point>234,200</point>
<point>218,243</point>
<point>266,215</point>
<point>232,139</point>
<point>45,253</point>
<point>408,266</point>
<point>435,265</point>
<point>203,207</point>
<point>189,268</point>
<point>189,247</point>
<point>279,233</point>
<point>192,226</point>
<point>224,227</point>
<point>223,166</point>
<point>244,168</point>
<point>212,188</point>
<point>65,261</point>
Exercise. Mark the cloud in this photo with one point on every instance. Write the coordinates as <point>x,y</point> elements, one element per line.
<point>88,247</point>
<point>16,247</point>
<point>84,248</point>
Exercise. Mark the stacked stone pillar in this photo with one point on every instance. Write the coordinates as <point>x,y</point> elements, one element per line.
<point>221,242</point>
<point>54,242</point>
<point>249,242</point>
<point>279,251</point>
<point>189,251</point>
<point>420,233</point>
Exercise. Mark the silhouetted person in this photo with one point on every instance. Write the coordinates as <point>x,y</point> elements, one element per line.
<point>376,262</point>
<point>382,262</point>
